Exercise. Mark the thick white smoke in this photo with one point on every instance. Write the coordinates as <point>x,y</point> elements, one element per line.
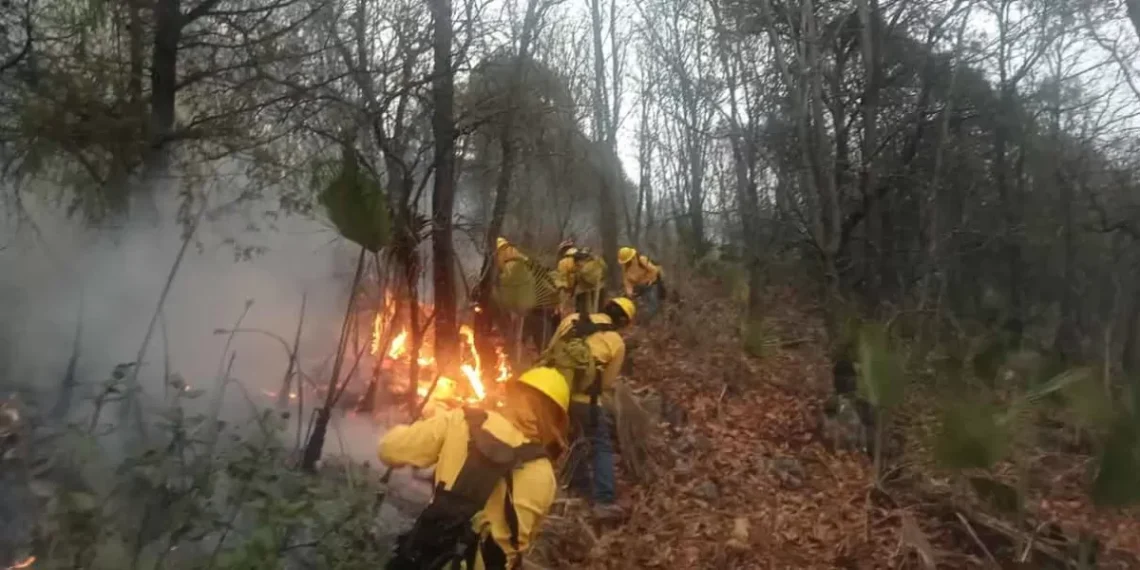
<point>48,265</point>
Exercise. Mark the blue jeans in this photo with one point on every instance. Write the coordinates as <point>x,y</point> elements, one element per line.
<point>592,458</point>
<point>648,299</point>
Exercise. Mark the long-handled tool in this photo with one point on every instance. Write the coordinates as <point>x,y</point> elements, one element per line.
<point>383,492</point>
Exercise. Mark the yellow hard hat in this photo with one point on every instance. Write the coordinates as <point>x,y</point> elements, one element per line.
<point>627,306</point>
<point>626,255</point>
<point>550,382</point>
<point>502,241</point>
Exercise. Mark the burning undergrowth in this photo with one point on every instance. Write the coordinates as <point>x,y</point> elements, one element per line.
<point>203,473</point>
<point>392,352</point>
<point>389,365</point>
<point>195,490</point>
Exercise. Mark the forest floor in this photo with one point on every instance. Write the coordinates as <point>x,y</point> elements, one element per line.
<point>741,478</point>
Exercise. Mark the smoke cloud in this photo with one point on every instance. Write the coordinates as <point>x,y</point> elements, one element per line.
<point>50,266</point>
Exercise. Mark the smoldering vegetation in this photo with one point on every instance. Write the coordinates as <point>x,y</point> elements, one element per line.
<point>191,467</point>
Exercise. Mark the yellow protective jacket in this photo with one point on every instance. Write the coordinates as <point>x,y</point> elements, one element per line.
<point>564,273</point>
<point>639,272</point>
<point>442,441</point>
<point>507,254</point>
<point>608,350</point>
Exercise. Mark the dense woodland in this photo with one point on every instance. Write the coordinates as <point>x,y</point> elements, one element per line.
<point>963,172</point>
<point>952,158</point>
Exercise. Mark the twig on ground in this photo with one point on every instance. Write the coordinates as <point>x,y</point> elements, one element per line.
<point>132,382</point>
<point>165,356</point>
<point>286,382</point>
<point>222,377</point>
<point>977,540</point>
<point>723,391</point>
<point>816,457</point>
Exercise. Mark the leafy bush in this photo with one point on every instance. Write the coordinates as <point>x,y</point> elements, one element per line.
<point>188,500</point>
<point>971,437</point>
<point>355,201</point>
<point>755,335</point>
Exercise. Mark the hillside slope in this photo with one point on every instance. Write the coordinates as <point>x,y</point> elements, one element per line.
<point>742,480</point>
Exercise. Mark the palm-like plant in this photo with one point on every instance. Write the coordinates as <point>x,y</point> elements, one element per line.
<point>358,208</point>
<point>979,434</point>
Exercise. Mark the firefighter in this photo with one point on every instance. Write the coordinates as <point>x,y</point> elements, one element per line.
<point>518,273</point>
<point>506,253</point>
<point>643,280</point>
<point>494,475</point>
<point>580,277</point>
<point>590,353</point>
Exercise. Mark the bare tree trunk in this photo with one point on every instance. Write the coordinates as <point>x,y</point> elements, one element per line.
<point>869,17</point>
<point>1134,13</point>
<point>824,181</point>
<point>443,190</point>
<point>1066,342</point>
<point>164,75</point>
<point>1130,353</point>
<point>316,444</point>
<point>135,50</point>
<point>607,181</point>
<point>484,318</point>
<point>644,159</point>
<point>746,195</point>
<point>934,274</point>
<point>810,173</point>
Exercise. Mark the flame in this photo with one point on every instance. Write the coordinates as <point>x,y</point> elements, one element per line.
<point>375,334</point>
<point>469,335</point>
<point>502,364</point>
<point>25,563</point>
<point>470,364</point>
<point>472,374</point>
<point>399,346</point>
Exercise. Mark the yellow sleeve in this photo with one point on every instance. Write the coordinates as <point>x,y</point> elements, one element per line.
<point>652,271</point>
<point>613,366</point>
<point>534,495</point>
<point>418,444</point>
<point>560,332</point>
<point>627,281</point>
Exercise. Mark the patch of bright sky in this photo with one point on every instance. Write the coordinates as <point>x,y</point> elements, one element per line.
<point>1097,61</point>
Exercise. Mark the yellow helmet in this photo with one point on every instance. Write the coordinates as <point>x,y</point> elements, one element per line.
<point>626,305</point>
<point>501,242</point>
<point>550,382</point>
<point>626,255</point>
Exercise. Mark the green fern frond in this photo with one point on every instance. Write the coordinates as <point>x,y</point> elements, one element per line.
<point>880,377</point>
<point>1021,410</point>
<point>1117,477</point>
<point>355,202</point>
<point>971,437</point>
<point>516,289</point>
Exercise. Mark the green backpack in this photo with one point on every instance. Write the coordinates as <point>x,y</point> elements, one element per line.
<point>589,270</point>
<point>572,356</point>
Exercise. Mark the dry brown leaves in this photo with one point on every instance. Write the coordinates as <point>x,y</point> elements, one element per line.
<point>1067,504</point>
<point>717,501</point>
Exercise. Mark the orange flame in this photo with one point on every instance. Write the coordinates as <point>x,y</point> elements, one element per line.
<point>503,365</point>
<point>399,346</point>
<point>470,364</point>
<point>25,563</point>
<point>472,374</point>
<point>375,335</point>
